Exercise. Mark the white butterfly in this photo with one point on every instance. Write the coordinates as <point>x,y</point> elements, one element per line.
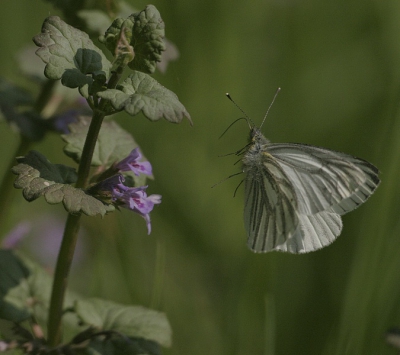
<point>296,193</point>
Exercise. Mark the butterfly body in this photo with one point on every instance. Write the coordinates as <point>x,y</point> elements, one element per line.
<point>295,193</point>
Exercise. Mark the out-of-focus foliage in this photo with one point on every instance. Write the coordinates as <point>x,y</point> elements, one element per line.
<point>338,66</point>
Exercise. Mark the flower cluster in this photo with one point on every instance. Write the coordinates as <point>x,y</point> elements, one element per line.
<point>132,198</point>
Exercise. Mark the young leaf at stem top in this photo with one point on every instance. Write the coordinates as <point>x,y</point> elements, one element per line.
<point>71,56</point>
<point>144,32</point>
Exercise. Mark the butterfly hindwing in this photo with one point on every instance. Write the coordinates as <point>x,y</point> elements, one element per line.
<point>314,232</point>
<point>270,206</point>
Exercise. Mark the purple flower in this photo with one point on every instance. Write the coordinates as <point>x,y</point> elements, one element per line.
<point>136,200</point>
<point>132,162</point>
<point>132,198</point>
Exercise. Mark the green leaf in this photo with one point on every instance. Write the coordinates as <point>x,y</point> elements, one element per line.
<point>34,185</point>
<point>133,321</point>
<point>144,31</point>
<point>71,56</point>
<point>54,172</point>
<point>25,289</point>
<point>12,274</point>
<point>140,92</point>
<point>16,108</point>
<point>13,96</point>
<point>113,144</point>
<point>123,346</point>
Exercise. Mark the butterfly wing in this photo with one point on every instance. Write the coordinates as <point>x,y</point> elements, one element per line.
<point>325,180</point>
<point>314,232</point>
<point>296,194</point>
<point>270,205</point>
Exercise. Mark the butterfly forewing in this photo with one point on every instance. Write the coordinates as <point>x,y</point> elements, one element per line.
<point>324,178</point>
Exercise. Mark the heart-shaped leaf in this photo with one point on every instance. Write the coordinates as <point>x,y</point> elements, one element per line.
<point>30,179</point>
<point>71,56</point>
<point>133,321</point>
<point>25,288</point>
<point>122,346</point>
<point>113,144</point>
<point>140,92</point>
<point>54,172</point>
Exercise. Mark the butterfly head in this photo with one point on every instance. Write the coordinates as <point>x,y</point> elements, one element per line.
<point>256,137</point>
<point>254,133</point>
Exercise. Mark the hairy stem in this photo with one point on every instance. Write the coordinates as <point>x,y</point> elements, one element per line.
<point>61,279</point>
<point>70,237</point>
<point>71,230</point>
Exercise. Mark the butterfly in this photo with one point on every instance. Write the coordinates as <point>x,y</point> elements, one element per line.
<point>296,193</point>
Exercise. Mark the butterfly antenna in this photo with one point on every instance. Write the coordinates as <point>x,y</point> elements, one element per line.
<point>247,118</point>
<point>241,118</point>
<point>273,100</point>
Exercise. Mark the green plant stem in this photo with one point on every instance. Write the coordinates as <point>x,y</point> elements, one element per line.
<point>71,230</point>
<point>88,149</point>
<point>70,237</point>
<point>63,266</point>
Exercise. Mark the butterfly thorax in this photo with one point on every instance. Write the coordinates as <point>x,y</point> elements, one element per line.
<point>252,159</point>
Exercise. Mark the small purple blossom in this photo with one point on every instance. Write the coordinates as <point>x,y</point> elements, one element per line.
<point>132,198</point>
<point>132,163</point>
<point>136,200</point>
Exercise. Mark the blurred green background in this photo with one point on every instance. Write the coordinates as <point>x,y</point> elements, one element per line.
<point>337,63</point>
